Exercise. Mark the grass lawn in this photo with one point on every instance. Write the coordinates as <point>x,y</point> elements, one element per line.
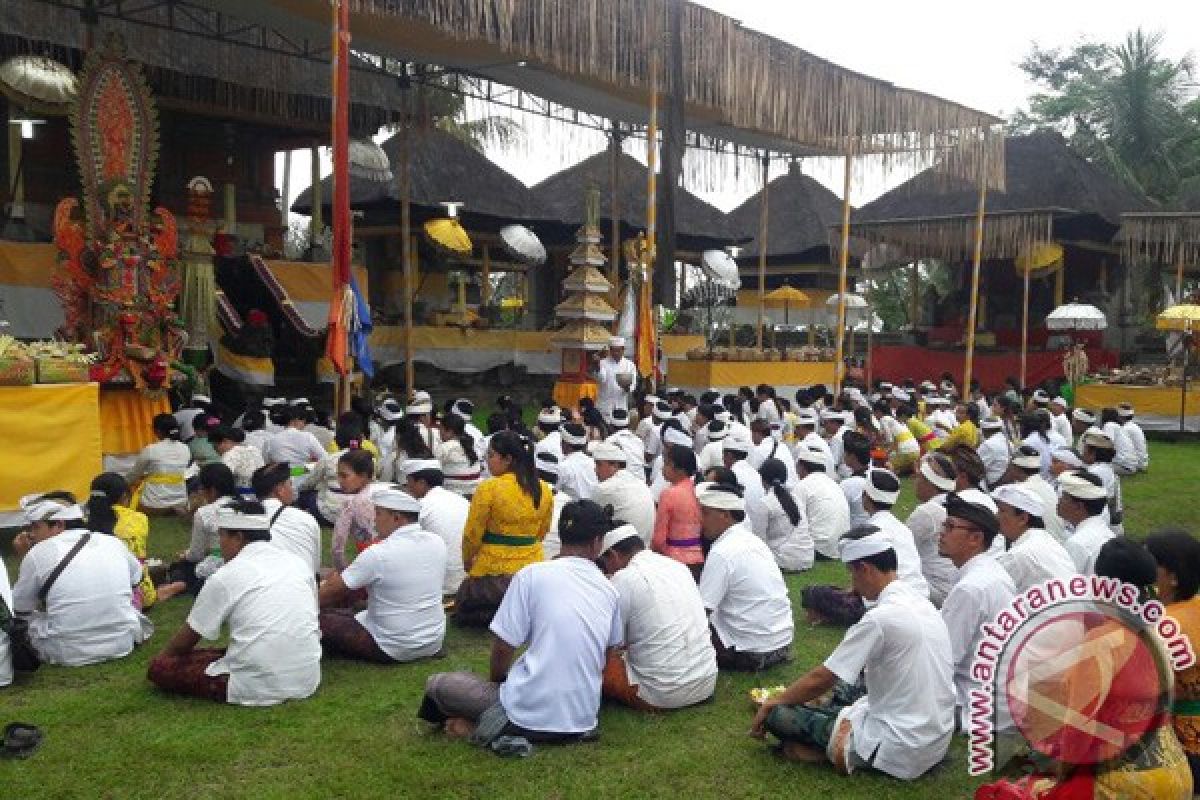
<point>109,734</point>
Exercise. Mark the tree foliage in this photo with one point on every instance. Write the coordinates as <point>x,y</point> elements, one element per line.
<point>1125,107</point>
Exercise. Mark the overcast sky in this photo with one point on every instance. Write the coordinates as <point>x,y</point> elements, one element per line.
<point>963,51</point>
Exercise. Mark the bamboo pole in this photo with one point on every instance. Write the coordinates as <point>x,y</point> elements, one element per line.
<point>762,250</point>
<point>914,298</point>
<point>976,263</point>
<point>1060,285</point>
<point>1024,327</point>
<point>316,223</point>
<point>485,278</point>
<point>614,211</point>
<point>287,190</point>
<point>1179,281</point>
<point>870,330</point>
<point>839,365</point>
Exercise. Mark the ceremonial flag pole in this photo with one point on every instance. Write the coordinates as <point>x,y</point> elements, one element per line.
<point>647,356</point>
<point>977,261</point>
<point>839,365</point>
<point>341,303</point>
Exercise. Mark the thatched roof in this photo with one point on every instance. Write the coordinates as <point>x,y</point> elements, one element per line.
<point>199,59</point>
<point>698,225</point>
<point>739,85</point>
<point>1050,191</point>
<point>800,212</point>
<point>443,168</point>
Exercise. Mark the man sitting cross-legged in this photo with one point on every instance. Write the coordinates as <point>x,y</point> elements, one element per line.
<point>903,725</point>
<point>402,574</point>
<point>741,585</point>
<point>668,660</point>
<point>564,612</point>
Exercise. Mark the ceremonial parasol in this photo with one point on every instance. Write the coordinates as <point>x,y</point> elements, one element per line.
<point>787,295</point>
<point>856,308</point>
<point>720,266</point>
<point>523,245</point>
<point>447,233</point>
<point>38,83</point>
<point>369,162</point>
<point>1183,318</point>
<point>1076,317</point>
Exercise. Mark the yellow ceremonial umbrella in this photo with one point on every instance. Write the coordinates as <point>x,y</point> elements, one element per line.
<point>786,295</point>
<point>448,234</point>
<point>1184,318</point>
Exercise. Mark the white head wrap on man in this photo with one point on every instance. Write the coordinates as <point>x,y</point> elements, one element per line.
<point>415,466</point>
<point>607,451</point>
<point>1027,457</point>
<point>616,341</point>
<point>550,416</point>
<point>573,434</point>
<point>858,548</point>
<point>618,418</point>
<point>618,535</point>
<point>1021,498</point>
<point>231,519</point>
<point>930,474</point>
<point>882,486</point>
<point>1084,416</point>
<point>1068,456</point>
<point>722,496</point>
<point>1078,486</point>
<point>51,511</point>
<point>396,500</point>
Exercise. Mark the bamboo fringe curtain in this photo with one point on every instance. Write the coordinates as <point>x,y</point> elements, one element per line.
<point>1168,240</point>
<point>950,239</point>
<point>747,79</point>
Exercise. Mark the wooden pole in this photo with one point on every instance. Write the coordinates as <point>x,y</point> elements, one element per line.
<point>317,223</point>
<point>839,366</point>
<point>485,278</point>
<point>1179,281</point>
<point>1060,285</point>
<point>976,263</point>
<point>287,190</point>
<point>914,297</point>
<point>1024,327</point>
<point>406,258</point>
<point>762,250</point>
<point>870,331</point>
<point>614,211</point>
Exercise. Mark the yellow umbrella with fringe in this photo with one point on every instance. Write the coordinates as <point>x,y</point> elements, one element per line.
<point>448,234</point>
<point>787,295</point>
<point>1183,318</point>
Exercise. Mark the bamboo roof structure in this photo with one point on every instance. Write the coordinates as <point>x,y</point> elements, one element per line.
<point>1050,192</point>
<point>1169,237</point>
<point>739,86</point>
<point>442,168</point>
<point>800,212</point>
<point>698,225</point>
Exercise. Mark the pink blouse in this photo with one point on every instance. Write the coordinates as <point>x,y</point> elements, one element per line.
<point>677,524</point>
<point>357,519</point>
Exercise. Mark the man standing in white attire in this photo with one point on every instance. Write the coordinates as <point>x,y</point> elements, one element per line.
<point>629,497</point>
<point>983,588</point>
<point>901,650</point>
<point>615,377</point>
<point>668,660</point>
<point>1033,556</point>
<point>742,586</point>
<point>442,512</point>
<point>402,575</point>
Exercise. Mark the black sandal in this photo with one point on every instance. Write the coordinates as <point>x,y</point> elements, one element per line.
<point>21,740</point>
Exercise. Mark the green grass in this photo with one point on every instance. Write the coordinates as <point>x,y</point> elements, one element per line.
<point>109,734</point>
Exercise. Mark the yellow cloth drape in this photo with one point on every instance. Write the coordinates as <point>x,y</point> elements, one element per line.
<point>568,395</point>
<point>50,439</point>
<point>1162,401</point>
<point>126,416</point>
<point>749,373</point>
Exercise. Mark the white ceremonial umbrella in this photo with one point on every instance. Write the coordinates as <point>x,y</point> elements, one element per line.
<point>369,161</point>
<point>1076,317</point>
<point>720,266</point>
<point>523,244</point>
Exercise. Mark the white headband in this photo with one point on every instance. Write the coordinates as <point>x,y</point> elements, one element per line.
<point>420,407</point>
<point>717,495</point>
<point>676,436</point>
<point>618,535</point>
<point>1083,415</point>
<point>619,418</point>
<point>229,519</point>
<point>51,511</point>
<point>412,466</point>
<point>1027,461</point>
<point>850,550</point>
<point>396,500</point>
<point>549,416</point>
<point>1067,456</point>
<point>1081,488</point>
<point>940,481</point>
<point>810,455</point>
<point>574,439</point>
<point>607,451</point>
<point>1020,497</point>
<point>877,494</point>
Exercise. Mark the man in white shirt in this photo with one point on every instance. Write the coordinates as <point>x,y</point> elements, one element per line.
<point>857,458</point>
<point>402,576</point>
<point>6,664</point>
<point>1033,555</point>
<point>936,475</point>
<point>713,453</point>
<point>995,450</point>
<point>615,377</point>
<point>668,660</point>
<point>292,529</point>
<point>983,588</point>
<point>443,512</point>
<point>901,648</point>
<point>833,424</point>
<point>742,586</point>
<point>1081,504</point>
<point>767,446</point>
<point>1060,422</point>
<point>200,404</point>
<point>268,598</point>
<point>807,436</point>
<point>1098,454</point>
<point>880,493</point>
<point>293,445</point>
<point>647,429</point>
<point>1135,434</point>
<point>566,614</point>
<point>1082,420</point>
<point>1026,469</point>
<point>629,497</point>
<point>824,502</point>
<point>735,451</point>
<point>87,615</point>
<point>576,470</point>
<point>1125,458</point>
<point>627,440</point>
<point>549,439</point>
